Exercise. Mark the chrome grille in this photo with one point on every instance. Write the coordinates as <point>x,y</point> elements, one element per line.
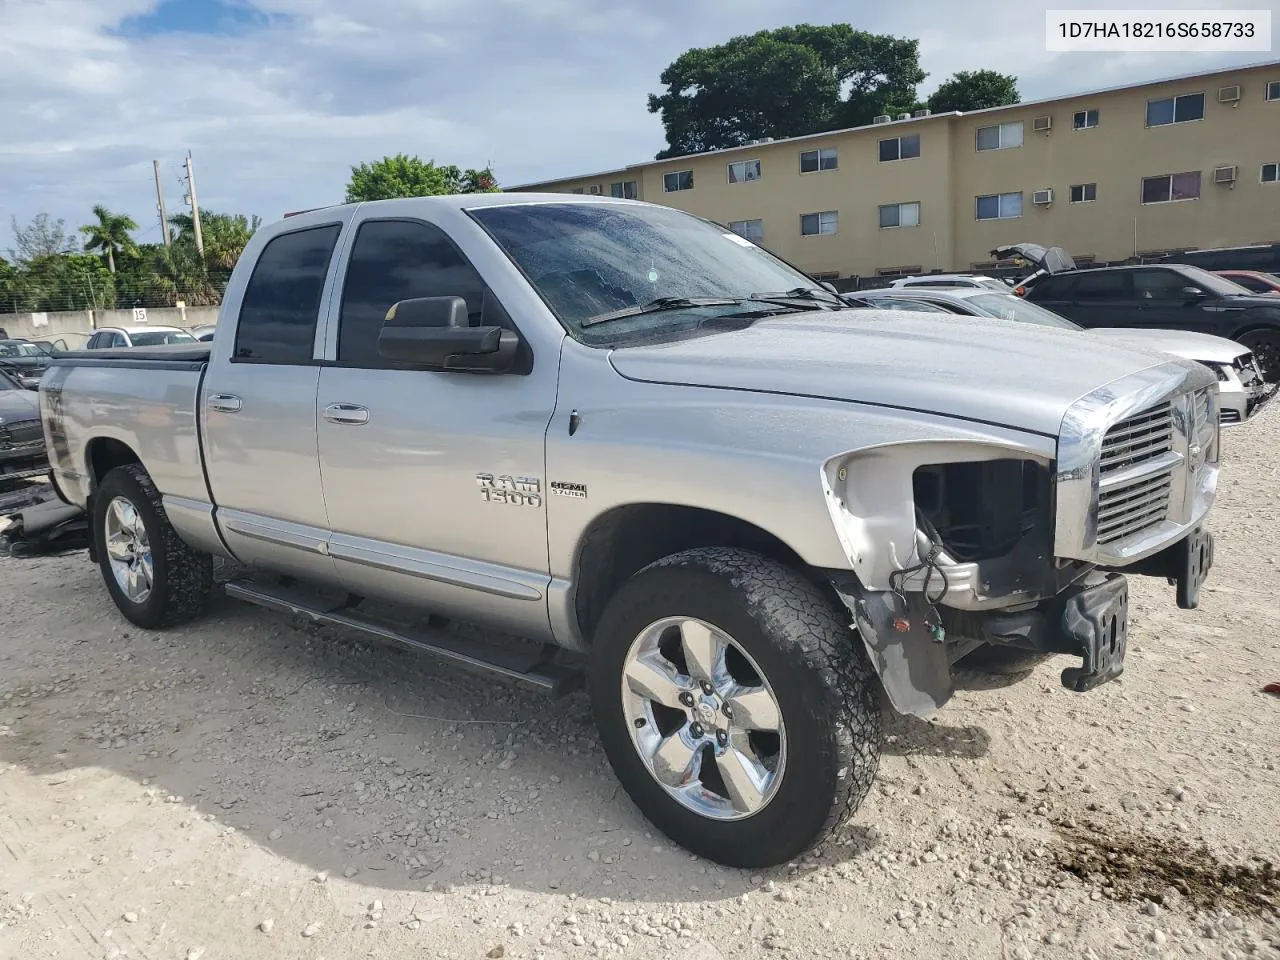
<point>1142,437</point>
<point>1128,507</point>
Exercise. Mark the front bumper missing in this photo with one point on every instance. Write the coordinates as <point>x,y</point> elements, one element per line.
<point>1089,620</point>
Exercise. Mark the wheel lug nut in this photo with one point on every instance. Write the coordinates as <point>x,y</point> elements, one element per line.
<point>687,699</point>
<point>706,687</point>
<point>727,711</point>
<point>721,737</point>
<point>695,729</point>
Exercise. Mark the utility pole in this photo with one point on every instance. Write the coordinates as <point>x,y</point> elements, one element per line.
<point>195,206</point>
<point>164,216</point>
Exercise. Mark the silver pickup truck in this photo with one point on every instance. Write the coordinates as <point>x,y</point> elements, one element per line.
<point>660,457</point>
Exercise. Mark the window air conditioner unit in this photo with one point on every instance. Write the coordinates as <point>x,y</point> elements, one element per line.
<point>922,113</point>
<point>1229,94</point>
<point>1042,197</point>
<point>596,190</point>
<point>1224,174</point>
<point>881,118</point>
<point>1042,124</point>
<point>904,116</point>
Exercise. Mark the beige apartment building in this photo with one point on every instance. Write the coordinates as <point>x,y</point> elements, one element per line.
<point>1177,164</point>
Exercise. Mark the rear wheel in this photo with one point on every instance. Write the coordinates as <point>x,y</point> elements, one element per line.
<point>735,706</point>
<point>154,578</point>
<point>1265,345</point>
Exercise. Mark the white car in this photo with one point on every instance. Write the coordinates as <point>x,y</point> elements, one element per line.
<point>952,280</point>
<point>149,336</point>
<point>1242,392</point>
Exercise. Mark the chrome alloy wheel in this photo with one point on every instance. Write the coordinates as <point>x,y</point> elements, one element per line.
<point>128,549</point>
<point>703,718</point>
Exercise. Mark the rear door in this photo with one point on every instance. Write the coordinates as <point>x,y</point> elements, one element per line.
<point>1099,298</point>
<point>405,452</point>
<point>259,408</point>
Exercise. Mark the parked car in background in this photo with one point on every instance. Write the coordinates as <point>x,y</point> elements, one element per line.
<point>1242,391</point>
<point>22,452</point>
<point>149,336</point>
<point>1164,296</point>
<point>204,333</point>
<point>951,280</point>
<point>1253,280</point>
<point>23,361</point>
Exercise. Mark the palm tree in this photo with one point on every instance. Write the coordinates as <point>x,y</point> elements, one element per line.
<point>110,234</point>
<point>224,235</point>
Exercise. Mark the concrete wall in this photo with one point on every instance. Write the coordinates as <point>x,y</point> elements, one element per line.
<point>75,326</point>
<point>951,173</point>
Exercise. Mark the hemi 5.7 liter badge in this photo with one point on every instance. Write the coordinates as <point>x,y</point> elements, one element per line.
<point>560,488</point>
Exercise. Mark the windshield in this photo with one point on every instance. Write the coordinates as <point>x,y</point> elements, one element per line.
<point>1005,306</point>
<point>158,338</point>
<point>589,259</point>
<point>1219,286</point>
<point>13,348</point>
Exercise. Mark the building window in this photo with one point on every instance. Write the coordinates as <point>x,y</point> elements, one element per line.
<point>682,180</point>
<point>1273,90</point>
<point>900,148</point>
<point>744,170</point>
<point>1001,136</point>
<point>1183,109</point>
<point>812,161</point>
<point>1171,186</point>
<point>1085,119</point>
<point>900,214</point>
<point>576,190</point>
<point>623,189</point>
<point>999,206</point>
<point>752,230</point>
<point>1084,193</point>
<point>814,224</point>
<point>1270,173</point>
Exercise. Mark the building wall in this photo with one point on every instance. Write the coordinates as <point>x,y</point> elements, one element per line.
<point>951,173</point>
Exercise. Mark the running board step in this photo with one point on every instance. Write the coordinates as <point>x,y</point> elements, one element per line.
<point>537,670</point>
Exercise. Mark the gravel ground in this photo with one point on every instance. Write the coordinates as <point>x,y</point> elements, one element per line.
<point>249,786</point>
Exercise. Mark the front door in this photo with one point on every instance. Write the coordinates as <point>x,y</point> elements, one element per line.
<point>1162,301</point>
<point>434,480</point>
<point>259,410</point>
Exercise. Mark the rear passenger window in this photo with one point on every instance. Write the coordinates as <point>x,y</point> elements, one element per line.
<point>1053,288</point>
<point>395,260</point>
<point>1101,286</point>
<point>278,316</point>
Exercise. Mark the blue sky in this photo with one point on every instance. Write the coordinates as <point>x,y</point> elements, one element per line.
<point>277,99</point>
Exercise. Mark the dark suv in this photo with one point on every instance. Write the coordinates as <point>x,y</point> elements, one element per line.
<point>1165,297</point>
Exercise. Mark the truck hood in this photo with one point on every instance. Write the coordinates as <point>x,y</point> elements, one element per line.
<point>1201,347</point>
<point>986,370</point>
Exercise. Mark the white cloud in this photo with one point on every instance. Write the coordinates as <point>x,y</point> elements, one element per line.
<point>276,116</point>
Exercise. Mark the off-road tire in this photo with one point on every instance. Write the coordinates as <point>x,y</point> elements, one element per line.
<point>182,578</point>
<point>827,693</point>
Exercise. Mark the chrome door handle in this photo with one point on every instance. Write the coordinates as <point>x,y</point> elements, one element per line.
<point>224,403</point>
<point>346,413</point>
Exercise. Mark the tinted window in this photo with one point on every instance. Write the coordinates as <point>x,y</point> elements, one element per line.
<point>1053,288</point>
<point>1101,286</point>
<point>1159,285</point>
<point>278,316</point>
<point>395,260</point>
<point>1256,284</point>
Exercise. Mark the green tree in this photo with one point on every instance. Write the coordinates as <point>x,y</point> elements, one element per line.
<point>405,176</point>
<point>974,90</point>
<point>224,235</point>
<point>783,83</point>
<point>110,234</point>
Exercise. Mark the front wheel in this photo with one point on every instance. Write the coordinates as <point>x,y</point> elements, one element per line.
<point>155,579</point>
<point>735,706</point>
<point>1265,345</point>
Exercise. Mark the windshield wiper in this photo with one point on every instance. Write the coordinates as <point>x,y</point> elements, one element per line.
<point>801,293</point>
<point>659,305</point>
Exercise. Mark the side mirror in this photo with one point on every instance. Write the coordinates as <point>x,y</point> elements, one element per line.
<point>1192,293</point>
<point>436,332</point>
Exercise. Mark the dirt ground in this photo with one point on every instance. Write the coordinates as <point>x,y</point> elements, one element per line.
<point>250,786</point>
